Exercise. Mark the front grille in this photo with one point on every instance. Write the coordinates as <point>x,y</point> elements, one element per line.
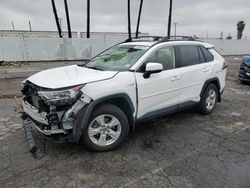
<point>30,92</point>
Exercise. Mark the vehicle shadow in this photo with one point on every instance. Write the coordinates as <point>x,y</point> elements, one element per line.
<point>145,135</point>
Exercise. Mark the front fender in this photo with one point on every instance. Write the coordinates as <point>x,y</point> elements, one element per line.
<point>84,114</point>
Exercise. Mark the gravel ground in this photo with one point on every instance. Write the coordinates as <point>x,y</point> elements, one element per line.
<point>180,150</point>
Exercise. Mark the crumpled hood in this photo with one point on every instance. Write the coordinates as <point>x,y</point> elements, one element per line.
<point>68,76</point>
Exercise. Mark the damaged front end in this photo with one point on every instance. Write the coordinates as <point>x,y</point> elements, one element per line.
<point>53,112</point>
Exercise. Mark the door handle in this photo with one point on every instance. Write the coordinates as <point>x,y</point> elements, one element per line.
<point>206,70</point>
<point>174,78</point>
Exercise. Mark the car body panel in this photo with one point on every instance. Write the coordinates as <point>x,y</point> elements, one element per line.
<point>123,82</point>
<point>68,76</point>
<point>159,91</point>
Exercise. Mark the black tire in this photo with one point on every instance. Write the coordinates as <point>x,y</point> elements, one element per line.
<point>113,110</point>
<point>202,108</point>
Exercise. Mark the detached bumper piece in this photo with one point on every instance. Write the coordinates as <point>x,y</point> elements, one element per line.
<point>33,148</point>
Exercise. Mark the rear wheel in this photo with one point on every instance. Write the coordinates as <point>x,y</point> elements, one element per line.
<point>107,128</point>
<point>209,99</point>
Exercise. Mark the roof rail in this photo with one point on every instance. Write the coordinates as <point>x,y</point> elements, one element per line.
<point>179,37</point>
<point>144,38</point>
<point>160,39</point>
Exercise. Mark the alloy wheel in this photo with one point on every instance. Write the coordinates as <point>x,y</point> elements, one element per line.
<point>211,99</point>
<point>104,130</point>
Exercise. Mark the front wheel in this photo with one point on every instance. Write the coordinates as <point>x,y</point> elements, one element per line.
<point>208,100</point>
<point>107,128</point>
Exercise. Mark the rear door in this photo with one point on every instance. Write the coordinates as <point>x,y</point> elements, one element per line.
<point>194,71</point>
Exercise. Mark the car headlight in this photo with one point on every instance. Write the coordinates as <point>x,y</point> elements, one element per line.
<point>59,98</point>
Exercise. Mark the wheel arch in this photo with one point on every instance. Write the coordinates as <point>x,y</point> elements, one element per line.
<point>121,100</point>
<point>214,81</point>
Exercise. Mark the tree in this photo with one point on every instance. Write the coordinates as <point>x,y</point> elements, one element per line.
<point>170,18</point>
<point>129,20</point>
<point>139,19</point>
<point>240,28</point>
<point>67,17</point>
<point>57,19</point>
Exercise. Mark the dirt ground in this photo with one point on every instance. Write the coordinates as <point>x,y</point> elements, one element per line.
<point>180,150</point>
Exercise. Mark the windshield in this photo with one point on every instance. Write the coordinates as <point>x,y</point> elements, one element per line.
<point>117,58</point>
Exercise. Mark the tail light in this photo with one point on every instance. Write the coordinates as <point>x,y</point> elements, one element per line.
<point>225,65</point>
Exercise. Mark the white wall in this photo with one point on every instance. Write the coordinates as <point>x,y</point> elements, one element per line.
<point>45,49</point>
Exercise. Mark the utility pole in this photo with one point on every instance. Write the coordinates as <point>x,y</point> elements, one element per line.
<point>170,18</point>
<point>13,26</point>
<point>30,25</point>
<point>56,18</point>
<point>88,18</point>
<point>175,24</point>
<point>139,19</point>
<point>129,21</point>
<point>67,17</point>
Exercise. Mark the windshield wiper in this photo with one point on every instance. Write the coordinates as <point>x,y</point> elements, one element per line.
<point>95,68</point>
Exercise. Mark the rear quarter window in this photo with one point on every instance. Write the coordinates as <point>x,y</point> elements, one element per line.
<point>208,56</point>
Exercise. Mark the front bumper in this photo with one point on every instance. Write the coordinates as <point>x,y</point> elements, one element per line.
<point>65,118</point>
<point>39,120</point>
<point>244,76</point>
<point>33,148</point>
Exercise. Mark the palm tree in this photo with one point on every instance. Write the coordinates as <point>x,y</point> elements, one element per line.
<point>68,20</point>
<point>56,18</point>
<point>240,28</point>
<point>88,18</point>
<point>170,18</point>
<point>129,20</point>
<point>139,19</point>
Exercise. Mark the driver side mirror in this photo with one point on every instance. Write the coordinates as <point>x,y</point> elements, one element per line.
<point>152,68</point>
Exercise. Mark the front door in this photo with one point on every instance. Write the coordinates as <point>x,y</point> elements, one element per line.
<point>160,90</point>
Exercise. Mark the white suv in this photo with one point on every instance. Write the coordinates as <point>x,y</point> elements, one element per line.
<point>100,101</point>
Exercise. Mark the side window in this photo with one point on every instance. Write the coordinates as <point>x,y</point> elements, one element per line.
<point>165,56</point>
<point>202,57</point>
<point>189,55</point>
<point>209,57</point>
